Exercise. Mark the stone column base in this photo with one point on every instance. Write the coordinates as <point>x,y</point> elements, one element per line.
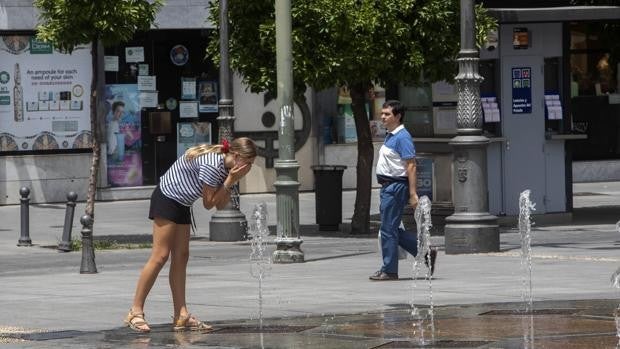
<point>478,233</point>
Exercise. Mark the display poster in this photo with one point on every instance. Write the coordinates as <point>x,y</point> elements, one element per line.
<point>123,135</point>
<point>148,99</point>
<point>490,109</point>
<point>147,83</point>
<point>134,54</point>
<point>520,38</point>
<point>208,96</point>
<point>188,109</point>
<point>143,69</point>
<point>188,88</point>
<point>522,90</point>
<point>190,134</point>
<point>424,183</point>
<point>553,106</point>
<point>44,99</point>
<point>110,63</point>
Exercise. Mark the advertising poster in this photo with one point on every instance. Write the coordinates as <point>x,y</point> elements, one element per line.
<point>190,134</point>
<point>44,96</point>
<point>123,135</point>
<point>424,177</point>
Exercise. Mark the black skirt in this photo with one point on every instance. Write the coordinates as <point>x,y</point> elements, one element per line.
<point>167,208</point>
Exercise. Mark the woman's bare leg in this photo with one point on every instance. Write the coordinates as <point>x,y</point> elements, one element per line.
<point>163,240</point>
<point>179,256</point>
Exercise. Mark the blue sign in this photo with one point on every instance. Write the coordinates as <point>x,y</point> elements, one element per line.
<point>522,90</point>
<point>424,170</point>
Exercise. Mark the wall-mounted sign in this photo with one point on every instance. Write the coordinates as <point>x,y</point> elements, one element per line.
<point>134,54</point>
<point>147,83</point>
<point>188,88</point>
<point>520,38</point>
<point>522,90</point>
<point>43,103</point>
<point>40,47</point>
<point>188,109</point>
<point>179,55</point>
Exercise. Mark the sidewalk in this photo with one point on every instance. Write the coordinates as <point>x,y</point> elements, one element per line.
<point>43,290</point>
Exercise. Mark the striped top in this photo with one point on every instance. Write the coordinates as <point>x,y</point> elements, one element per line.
<point>185,179</point>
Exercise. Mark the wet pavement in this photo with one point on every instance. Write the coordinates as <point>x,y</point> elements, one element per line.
<point>327,302</point>
<point>554,324</point>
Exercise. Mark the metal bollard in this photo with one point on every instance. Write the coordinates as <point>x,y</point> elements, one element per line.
<point>65,244</point>
<point>24,238</point>
<point>88,254</point>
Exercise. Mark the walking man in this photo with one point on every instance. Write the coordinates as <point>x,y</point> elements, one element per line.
<point>396,172</point>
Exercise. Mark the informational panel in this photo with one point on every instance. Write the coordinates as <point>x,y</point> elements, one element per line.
<point>522,90</point>
<point>44,96</point>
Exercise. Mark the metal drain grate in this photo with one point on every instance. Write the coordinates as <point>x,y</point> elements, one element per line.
<point>436,344</point>
<point>535,312</point>
<point>265,329</point>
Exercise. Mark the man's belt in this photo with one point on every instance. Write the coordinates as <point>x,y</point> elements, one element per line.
<point>385,181</point>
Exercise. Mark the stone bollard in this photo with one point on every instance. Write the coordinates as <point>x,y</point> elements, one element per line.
<point>65,244</point>
<point>24,238</point>
<point>88,254</point>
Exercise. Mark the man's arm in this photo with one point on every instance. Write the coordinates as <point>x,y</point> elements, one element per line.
<point>412,176</point>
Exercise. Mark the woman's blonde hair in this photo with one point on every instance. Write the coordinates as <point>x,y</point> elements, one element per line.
<point>244,146</point>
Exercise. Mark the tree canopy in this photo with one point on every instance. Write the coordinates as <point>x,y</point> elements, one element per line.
<point>69,23</point>
<point>348,41</point>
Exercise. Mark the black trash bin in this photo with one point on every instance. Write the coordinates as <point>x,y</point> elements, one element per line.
<point>328,191</point>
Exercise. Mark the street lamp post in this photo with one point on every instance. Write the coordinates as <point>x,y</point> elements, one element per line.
<point>471,229</point>
<point>227,224</point>
<point>288,241</point>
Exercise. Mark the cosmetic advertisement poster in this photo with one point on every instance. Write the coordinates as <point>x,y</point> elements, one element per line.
<point>123,135</point>
<point>44,96</point>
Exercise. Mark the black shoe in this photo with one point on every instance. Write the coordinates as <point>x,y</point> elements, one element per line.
<point>381,276</point>
<point>432,255</point>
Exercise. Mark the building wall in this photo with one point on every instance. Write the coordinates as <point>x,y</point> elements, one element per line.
<point>249,108</point>
<point>49,177</point>
<point>17,15</point>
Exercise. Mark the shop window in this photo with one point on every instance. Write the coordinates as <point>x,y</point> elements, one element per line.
<point>554,105</point>
<point>594,55</point>
<point>489,89</point>
<point>592,74</point>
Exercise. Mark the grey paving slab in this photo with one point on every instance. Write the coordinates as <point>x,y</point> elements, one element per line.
<point>42,289</point>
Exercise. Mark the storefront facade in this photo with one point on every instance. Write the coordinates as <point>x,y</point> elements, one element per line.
<point>160,97</point>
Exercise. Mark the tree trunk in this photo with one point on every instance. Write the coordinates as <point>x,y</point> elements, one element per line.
<point>360,223</point>
<point>94,168</point>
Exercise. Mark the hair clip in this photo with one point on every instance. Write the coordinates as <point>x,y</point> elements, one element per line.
<point>225,146</point>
